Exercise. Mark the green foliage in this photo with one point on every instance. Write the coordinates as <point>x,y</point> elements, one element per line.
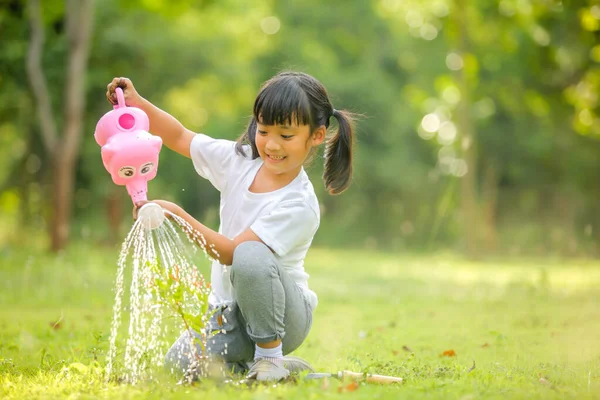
<point>531,68</point>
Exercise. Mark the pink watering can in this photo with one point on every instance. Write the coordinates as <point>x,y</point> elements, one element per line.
<point>129,152</point>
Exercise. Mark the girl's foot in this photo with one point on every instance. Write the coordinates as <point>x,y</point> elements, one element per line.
<point>268,369</point>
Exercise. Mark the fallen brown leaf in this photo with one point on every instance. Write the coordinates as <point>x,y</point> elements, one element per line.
<point>449,353</point>
<point>351,387</point>
<point>55,325</point>
<point>406,348</point>
<point>395,352</point>
<point>485,345</point>
<point>544,381</point>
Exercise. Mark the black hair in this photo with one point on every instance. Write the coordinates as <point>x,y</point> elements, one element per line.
<point>296,97</point>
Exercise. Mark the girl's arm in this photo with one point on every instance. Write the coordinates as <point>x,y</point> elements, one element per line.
<point>218,246</point>
<point>174,135</point>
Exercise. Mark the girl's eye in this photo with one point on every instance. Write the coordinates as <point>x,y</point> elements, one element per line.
<point>126,172</point>
<point>287,136</point>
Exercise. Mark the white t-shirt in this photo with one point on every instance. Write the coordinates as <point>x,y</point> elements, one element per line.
<point>286,219</point>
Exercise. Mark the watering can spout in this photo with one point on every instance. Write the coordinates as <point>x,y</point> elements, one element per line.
<point>138,191</point>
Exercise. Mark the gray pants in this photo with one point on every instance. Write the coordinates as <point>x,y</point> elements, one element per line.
<point>269,306</point>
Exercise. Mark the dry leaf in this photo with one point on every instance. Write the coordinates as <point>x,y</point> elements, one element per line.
<point>544,381</point>
<point>395,352</point>
<point>449,353</point>
<point>406,348</point>
<point>351,387</point>
<point>55,325</point>
<point>485,345</point>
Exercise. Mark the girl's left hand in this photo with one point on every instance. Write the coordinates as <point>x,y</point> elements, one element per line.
<point>166,205</point>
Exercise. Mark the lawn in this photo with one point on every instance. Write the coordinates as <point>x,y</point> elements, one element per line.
<point>452,329</point>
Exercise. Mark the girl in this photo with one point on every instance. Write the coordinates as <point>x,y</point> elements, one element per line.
<point>269,215</point>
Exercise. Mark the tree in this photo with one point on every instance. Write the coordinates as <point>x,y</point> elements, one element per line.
<point>468,138</point>
<point>63,149</point>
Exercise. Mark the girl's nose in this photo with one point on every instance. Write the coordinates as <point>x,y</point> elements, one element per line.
<point>272,145</point>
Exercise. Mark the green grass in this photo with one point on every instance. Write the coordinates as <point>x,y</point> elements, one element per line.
<point>531,328</point>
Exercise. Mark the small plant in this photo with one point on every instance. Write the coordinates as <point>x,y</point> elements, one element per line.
<point>185,296</point>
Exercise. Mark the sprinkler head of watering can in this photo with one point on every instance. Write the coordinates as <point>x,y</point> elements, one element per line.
<point>129,151</point>
<point>152,215</point>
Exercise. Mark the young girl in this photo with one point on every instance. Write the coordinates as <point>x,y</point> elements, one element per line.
<point>269,215</point>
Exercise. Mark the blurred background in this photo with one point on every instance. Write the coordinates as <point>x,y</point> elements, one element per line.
<point>480,128</point>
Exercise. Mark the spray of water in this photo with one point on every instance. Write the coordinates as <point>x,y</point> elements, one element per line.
<point>165,285</point>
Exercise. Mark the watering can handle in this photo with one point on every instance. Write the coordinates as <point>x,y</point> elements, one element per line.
<point>120,98</point>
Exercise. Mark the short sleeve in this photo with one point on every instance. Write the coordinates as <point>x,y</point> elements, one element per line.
<point>287,226</point>
<point>212,158</point>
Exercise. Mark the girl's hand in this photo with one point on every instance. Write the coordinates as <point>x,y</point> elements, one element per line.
<point>132,98</point>
<point>166,205</point>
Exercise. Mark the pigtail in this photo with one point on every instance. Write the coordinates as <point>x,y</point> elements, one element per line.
<point>247,138</point>
<point>338,154</point>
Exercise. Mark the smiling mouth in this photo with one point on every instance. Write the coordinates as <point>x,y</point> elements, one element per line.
<point>276,158</point>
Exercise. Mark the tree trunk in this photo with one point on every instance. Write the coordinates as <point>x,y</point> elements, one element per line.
<point>78,21</point>
<point>489,207</point>
<point>24,182</point>
<point>63,184</point>
<point>468,143</point>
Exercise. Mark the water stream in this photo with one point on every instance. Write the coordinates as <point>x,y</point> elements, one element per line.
<point>165,286</point>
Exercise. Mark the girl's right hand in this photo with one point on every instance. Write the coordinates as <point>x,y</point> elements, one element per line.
<point>132,98</point>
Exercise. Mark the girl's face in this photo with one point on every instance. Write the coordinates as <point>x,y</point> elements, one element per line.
<point>284,148</point>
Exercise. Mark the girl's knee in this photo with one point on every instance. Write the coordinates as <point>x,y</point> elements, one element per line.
<point>251,260</point>
<point>250,250</point>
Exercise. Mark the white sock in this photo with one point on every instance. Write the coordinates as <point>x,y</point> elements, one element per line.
<point>276,353</point>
